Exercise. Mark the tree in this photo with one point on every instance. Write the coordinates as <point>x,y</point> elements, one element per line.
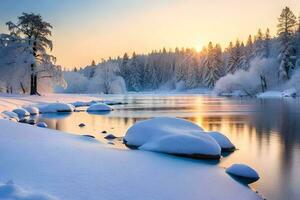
<point>266,44</point>
<point>32,30</point>
<point>248,52</point>
<point>236,58</point>
<point>286,28</point>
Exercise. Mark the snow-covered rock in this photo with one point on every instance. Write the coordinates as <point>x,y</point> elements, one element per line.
<point>11,114</point>
<point>278,94</point>
<point>173,136</point>
<point>81,125</point>
<point>21,112</point>
<point>81,103</point>
<point>42,124</point>
<point>201,146</point>
<point>222,140</point>
<point>292,92</point>
<point>57,107</point>
<point>110,137</point>
<point>99,107</point>
<point>32,110</point>
<point>243,171</point>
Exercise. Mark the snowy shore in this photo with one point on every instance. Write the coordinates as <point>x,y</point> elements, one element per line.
<point>49,164</point>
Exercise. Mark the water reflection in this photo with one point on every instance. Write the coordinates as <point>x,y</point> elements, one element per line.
<point>266,132</point>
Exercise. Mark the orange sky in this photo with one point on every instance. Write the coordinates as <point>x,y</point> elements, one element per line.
<point>102,28</point>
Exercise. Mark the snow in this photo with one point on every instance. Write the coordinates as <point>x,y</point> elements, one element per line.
<point>42,124</point>
<point>70,167</point>
<point>174,136</point>
<point>278,94</point>
<point>243,171</point>
<point>56,107</point>
<point>32,110</point>
<point>11,191</point>
<point>222,140</point>
<point>98,107</point>
<point>21,112</point>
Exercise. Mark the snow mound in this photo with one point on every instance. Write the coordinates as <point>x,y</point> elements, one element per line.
<point>57,107</point>
<point>173,136</point>
<point>42,124</point>
<point>99,107</point>
<point>201,146</point>
<point>10,114</point>
<point>222,140</point>
<point>21,112</point>
<point>32,110</point>
<point>243,171</point>
<point>10,191</point>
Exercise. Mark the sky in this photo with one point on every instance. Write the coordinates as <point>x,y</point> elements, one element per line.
<point>86,30</point>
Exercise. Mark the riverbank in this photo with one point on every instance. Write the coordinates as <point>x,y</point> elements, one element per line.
<point>57,165</point>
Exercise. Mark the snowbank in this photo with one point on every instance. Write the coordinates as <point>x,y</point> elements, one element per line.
<point>173,136</point>
<point>98,107</point>
<point>10,191</point>
<point>222,140</point>
<point>32,110</point>
<point>243,171</point>
<point>56,107</point>
<point>71,168</point>
<point>21,112</point>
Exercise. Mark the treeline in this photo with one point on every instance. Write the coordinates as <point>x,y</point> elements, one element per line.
<point>185,68</point>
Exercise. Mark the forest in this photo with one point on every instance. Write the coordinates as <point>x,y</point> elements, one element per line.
<point>263,62</point>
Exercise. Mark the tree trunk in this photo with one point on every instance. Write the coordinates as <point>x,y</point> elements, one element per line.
<point>33,90</point>
<point>22,87</point>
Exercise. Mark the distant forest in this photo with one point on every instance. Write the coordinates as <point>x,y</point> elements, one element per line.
<point>179,69</point>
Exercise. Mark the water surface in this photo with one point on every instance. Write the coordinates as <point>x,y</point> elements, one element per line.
<point>266,131</point>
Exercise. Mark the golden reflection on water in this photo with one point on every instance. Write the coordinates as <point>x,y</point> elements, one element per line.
<point>266,132</point>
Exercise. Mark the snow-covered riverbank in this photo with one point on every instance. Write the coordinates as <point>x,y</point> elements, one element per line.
<point>48,164</point>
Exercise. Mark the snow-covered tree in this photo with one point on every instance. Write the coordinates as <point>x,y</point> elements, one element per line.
<point>236,58</point>
<point>32,32</point>
<point>286,28</point>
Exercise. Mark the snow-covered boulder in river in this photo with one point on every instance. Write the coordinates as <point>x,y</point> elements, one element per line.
<point>32,110</point>
<point>99,107</point>
<point>21,112</point>
<point>57,107</point>
<point>289,93</point>
<point>222,140</point>
<point>243,171</point>
<point>173,136</point>
<point>42,124</point>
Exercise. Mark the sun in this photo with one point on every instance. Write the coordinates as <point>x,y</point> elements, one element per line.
<point>198,48</point>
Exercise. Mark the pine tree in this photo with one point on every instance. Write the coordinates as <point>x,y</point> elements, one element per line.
<point>248,52</point>
<point>266,44</point>
<point>286,28</point>
<point>236,58</point>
